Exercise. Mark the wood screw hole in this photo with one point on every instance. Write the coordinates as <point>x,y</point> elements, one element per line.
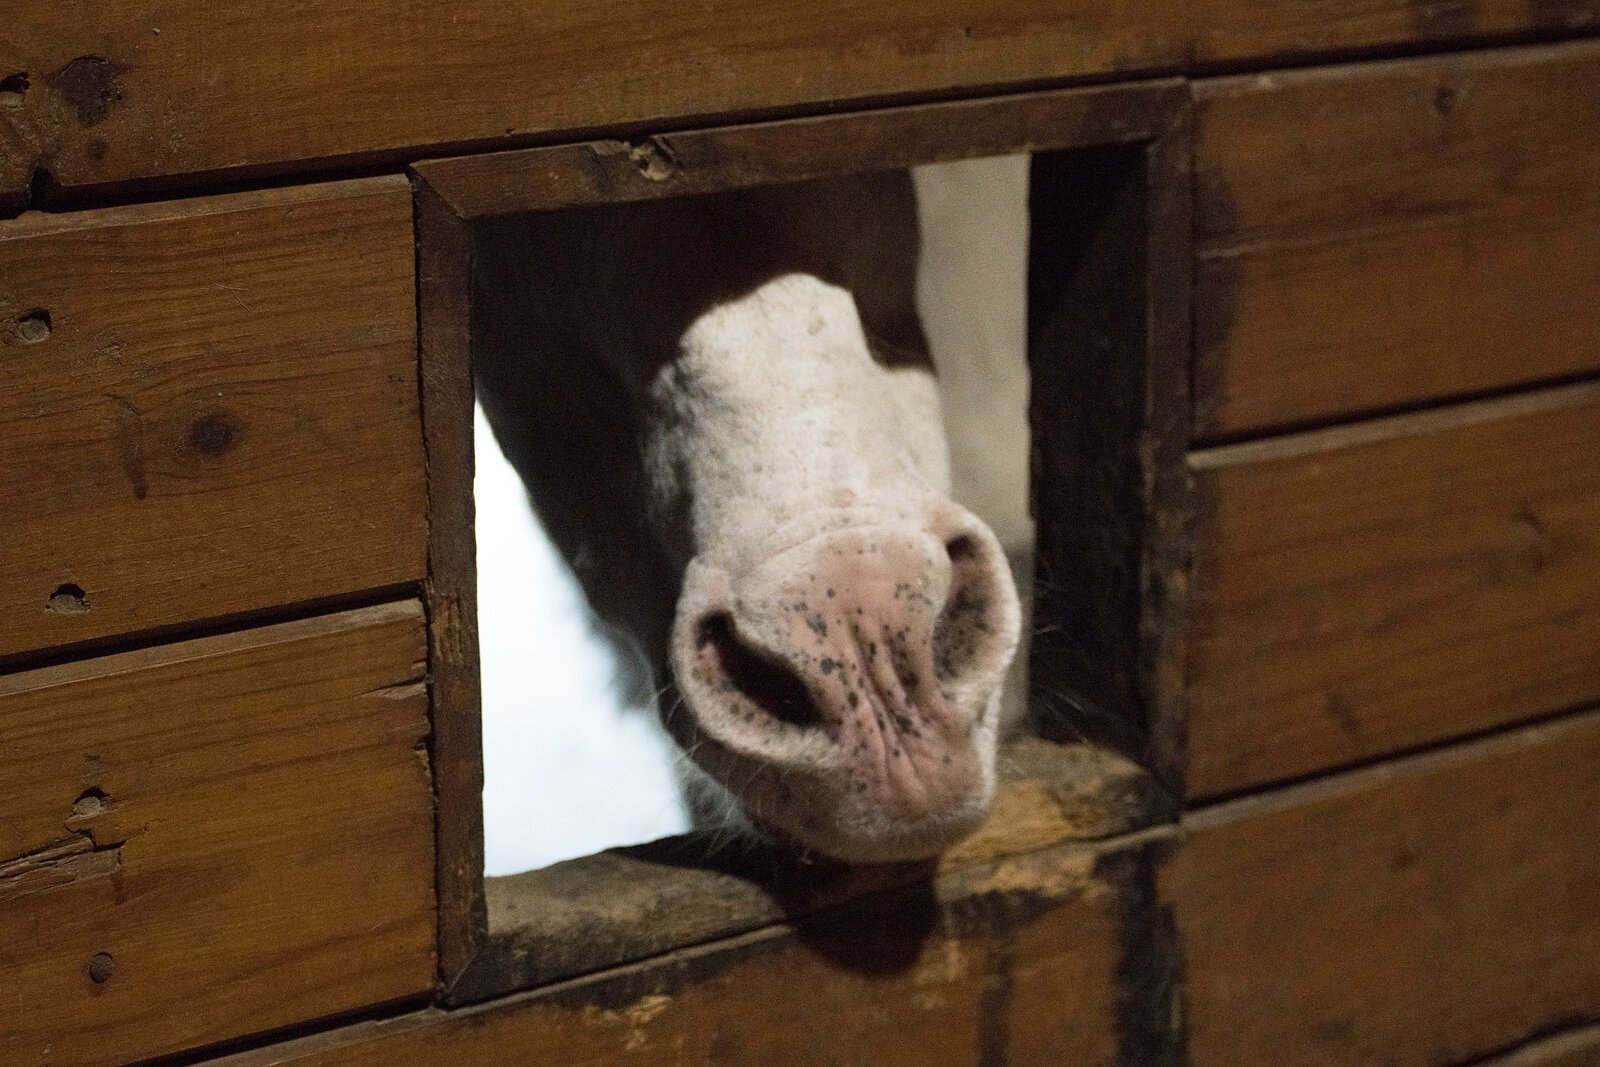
<point>101,967</point>
<point>13,88</point>
<point>34,327</point>
<point>91,802</point>
<point>68,599</point>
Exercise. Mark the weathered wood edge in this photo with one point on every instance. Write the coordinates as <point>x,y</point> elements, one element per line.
<point>1108,307</point>
<point>628,904</point>
<point>1168,487</point>
<point>1124,866</point>
<point>444,266</point>
<point>727,157</point>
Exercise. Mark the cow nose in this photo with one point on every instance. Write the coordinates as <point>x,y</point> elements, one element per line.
<point>861,662</point>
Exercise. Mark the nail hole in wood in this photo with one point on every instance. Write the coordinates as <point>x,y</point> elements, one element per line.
<point>13,88</point>
<point>33,327</point>
<point>91,802</point>
<point>68,599</point>
<point>101,967</point>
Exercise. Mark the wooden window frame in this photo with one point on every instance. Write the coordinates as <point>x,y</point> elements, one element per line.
<point>1109,350</point>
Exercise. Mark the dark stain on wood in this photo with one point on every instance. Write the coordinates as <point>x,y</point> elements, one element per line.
<point>999,916</point>
<point>91,86</point>
<point>1150,967</point>
<point>211,435</point>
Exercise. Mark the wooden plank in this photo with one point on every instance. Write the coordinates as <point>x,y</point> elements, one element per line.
<point>1265,31</point>
<point>582,916</point>
<point>444,292</point>
<point>1014,962</point>
<point>214,838</point>
<point>219,415</point>
<point>765,153</point>
<point>173,87</point>
<point>1371,588</point>
<point>1109,255</point>
<point>1384,235</point>
<point>1426,911</point>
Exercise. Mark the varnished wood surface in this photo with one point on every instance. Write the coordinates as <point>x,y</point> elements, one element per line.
<point>1014,962</point>
<point>171,87</point>
<point>1371,588</point>
<point>219,416</point>
<point>1268,32</point>
<point>1427,911</point>
<point>1381,235</point>
<point>214,838</point>
<point>160,88</point>
<point>764,153</point>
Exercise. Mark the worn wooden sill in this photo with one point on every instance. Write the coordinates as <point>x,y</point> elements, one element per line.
<point>627,904</point>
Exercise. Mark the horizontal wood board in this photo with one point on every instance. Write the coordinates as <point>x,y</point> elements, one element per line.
<point>1425,912</point>
<point>1011,962</point>
<point>173,87</point>
<point>1270,32</point>
<point>624,905</point>
<point>218,416</point>
<point>1372,588</point>
<point>723,158</point>
<point>107,95</point>
<point>214,838</point>
<point>1385,235</point>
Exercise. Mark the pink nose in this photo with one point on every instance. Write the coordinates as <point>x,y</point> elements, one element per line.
<point>856,672</point>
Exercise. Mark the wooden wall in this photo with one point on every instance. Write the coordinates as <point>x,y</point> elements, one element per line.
<point>178,91</point>
<point>1356,635</point>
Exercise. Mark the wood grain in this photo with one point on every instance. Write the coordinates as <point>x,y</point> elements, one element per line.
<point>1384,235</point>
<point>241,825</point>
<point>1015,962</point>
<point>1427,911</point>
<point>719,159</point>
<point>1265,32</point>
<point>219,416</point>
<point>174,87</point>
<point>1371,588</point>
<point>624,905</point>
<point>444,313</point>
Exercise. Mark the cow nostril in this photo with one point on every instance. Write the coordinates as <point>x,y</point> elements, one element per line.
<point>770,685</point>
<point>964,628</point>
<point>961,549</point>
